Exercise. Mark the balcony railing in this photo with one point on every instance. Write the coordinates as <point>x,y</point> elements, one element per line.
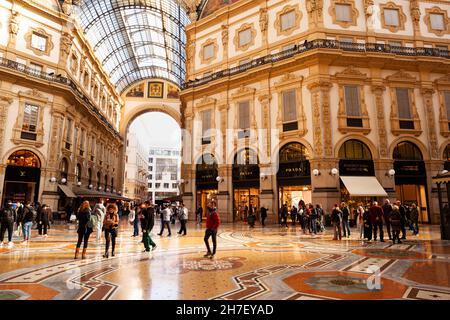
<point>24,69</point>
<point>320,44</point>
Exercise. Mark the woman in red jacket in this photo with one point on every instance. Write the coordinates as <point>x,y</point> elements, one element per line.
<point>212,224</point>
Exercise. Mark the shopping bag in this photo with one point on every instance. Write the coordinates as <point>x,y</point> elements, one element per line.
<point>73,217</point>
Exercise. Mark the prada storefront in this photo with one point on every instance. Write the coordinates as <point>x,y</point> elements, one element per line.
<point>23,173</point>
<point>245,184</point>
<point>411,177</point>
<point>206,183</point>
<point>294,175</point>
<point>358,184</point>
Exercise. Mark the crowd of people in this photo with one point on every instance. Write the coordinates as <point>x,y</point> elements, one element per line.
<point>310,218</point>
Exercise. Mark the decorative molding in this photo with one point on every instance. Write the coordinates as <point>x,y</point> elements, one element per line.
<point>48,44</point>
<point>314,9</point>
<point>427,95</point>
<point>208,42</point>
<point>401,76</point>
<point>415,13</point>
<point>350,73</point>
<point>378,91</point>
<point>244,27</point>
<point>443,119</point>
<point>13,28</point>
<point>427,20</point>
<point>263,22</point>
<point>395,120</point>
<point>243,92</point>
<point>401,16</point>
<point>368,8</point>
<point>354,13</point>
<point>298,17</point>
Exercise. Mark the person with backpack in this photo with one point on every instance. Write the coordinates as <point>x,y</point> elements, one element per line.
<point>111,227</point>
<point>29,216</point>
<point>147,223</point>
<point>183,218</point>
<point>336,219</point>
<point>345,219</point>
<point>100,212</point>
<point>7,218</point>
<point>212,224</point>
<point>85,227</point>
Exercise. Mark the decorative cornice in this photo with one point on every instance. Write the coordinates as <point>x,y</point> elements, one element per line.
<point>351,72</point>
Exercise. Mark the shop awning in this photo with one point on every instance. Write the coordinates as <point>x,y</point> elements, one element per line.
<point>442,178</point>
<point>67,191</point>
<point>363,186</point>
<point>89,193</point>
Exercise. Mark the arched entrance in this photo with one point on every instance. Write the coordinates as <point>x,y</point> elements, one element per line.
<point>206,173</point>
<point>294,175</point>
<point>245,183</point>
<point>22,177</point>
<point>411,177</point>
<point>355,162</point>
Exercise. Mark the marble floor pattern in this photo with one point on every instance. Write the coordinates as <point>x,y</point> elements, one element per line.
<point>260,263</point>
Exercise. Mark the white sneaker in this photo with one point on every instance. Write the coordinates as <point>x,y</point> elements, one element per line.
<point>45,235</point>
<point>10,244</point>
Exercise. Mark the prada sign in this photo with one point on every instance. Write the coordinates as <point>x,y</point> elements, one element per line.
<point>409,168</point>
<point>294,170</point>
<point>245,172</point>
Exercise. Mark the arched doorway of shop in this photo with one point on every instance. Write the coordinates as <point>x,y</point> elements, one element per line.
<point>152,156</point>
<point>22,177</point>
<point>245,176</point>
<point>411,178</point>
<point>206,184</point>
<point>294,175</point>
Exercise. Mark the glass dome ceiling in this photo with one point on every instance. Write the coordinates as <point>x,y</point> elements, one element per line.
<point>137,39</point>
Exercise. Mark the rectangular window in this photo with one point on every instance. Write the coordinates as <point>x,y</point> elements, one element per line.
<point>206,122</point>
<point>150,185</point>
<point>157,185</point>
<point>30,118</point>
<point>447,103</point>
<point>437,21</point>
<point>289,106</point>
<point>287,20</point>
<point>351,98</point>
<point>403,104</point>
<point>38,41</point>
<point>244,115</point>
<point>245,36</point>
<point>208,51</point>
<point>391,17</point>
<point>343,12</point>
<point>174,185</point>
<point>166,186</point>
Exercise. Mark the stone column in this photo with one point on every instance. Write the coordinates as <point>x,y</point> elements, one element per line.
<point>4,105</point>
<point>378,90</point>
<point>427,96</point>
<point>187,171</point>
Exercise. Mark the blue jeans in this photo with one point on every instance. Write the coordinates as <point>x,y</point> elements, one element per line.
<point>27,230</point>
<point>346,227</point>
<point>314,225</point>
<point>136,227</point>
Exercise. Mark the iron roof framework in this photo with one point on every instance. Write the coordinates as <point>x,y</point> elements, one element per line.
<point>137,39</point>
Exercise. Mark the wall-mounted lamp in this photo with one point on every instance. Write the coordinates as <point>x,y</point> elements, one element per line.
<point>114,190</point>
<point>444,171</point>
<point>107,189</point>
<point>316,172</point>
<point>100,188</point>
<point>390,173</point>
<point>52,180</point>
<point>79,183</point>
<point>334,172</point>
<point>219,179</point>
<point>63,180</point>
<point>90,186</point>
<point>120,192</point>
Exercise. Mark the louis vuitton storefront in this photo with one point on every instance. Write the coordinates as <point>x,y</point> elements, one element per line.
<point>206,182</point>
<point>22,176</point>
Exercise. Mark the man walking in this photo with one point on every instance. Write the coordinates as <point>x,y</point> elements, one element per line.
<point>183,219</point>
<point>165,219</point>
<point>376,215</point>
<point>336,219</point>
<point>387,209</point>
<point>7,218</point>
<point>100,211</point>
<point>147,223</point>
<point>212,224</point>
<point>345,220</point>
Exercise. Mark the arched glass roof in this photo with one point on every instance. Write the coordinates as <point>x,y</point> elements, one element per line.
<point>137,39</point>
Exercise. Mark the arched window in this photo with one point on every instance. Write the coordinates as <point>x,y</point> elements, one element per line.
<point>293,152</point>
<point>24,158</point>
<point>355,150</point>
<point>245,157</point>
<point>407,151</point>
<point>206,161</point>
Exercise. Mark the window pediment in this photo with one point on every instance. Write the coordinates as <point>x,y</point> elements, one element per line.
<point>428,22</point>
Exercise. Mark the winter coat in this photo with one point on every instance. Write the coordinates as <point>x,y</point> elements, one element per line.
<point>414,214</point>
<point>166,213</point>
<point>376,214</point>
<point>213,220</point>
<point>395,220</point>
<point>83,217</point>
<point>8,215</point>
<point>183,213</point>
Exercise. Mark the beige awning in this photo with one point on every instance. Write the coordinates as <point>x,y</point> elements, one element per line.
<point>363,186</point>
<point>67,191</point>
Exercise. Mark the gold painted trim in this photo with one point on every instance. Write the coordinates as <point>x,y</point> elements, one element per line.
<point>285,10</point>
<point>244,27</point>
<point>208,42</point>
<point>427,20</point>
<point>48,44</point>
<point>354,13</point>
<point>401,17</point>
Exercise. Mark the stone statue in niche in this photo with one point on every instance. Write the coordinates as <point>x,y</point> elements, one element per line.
<point>263,19</point>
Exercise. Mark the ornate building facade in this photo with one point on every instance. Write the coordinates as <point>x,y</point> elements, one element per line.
<point>59,112</point>
<point>325,91</point>
<point>136,169</point>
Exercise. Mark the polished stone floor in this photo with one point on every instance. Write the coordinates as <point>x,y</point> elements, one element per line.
<point>269,263</point>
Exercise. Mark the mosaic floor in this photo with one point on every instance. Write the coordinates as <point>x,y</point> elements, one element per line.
<point>270,263</point>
